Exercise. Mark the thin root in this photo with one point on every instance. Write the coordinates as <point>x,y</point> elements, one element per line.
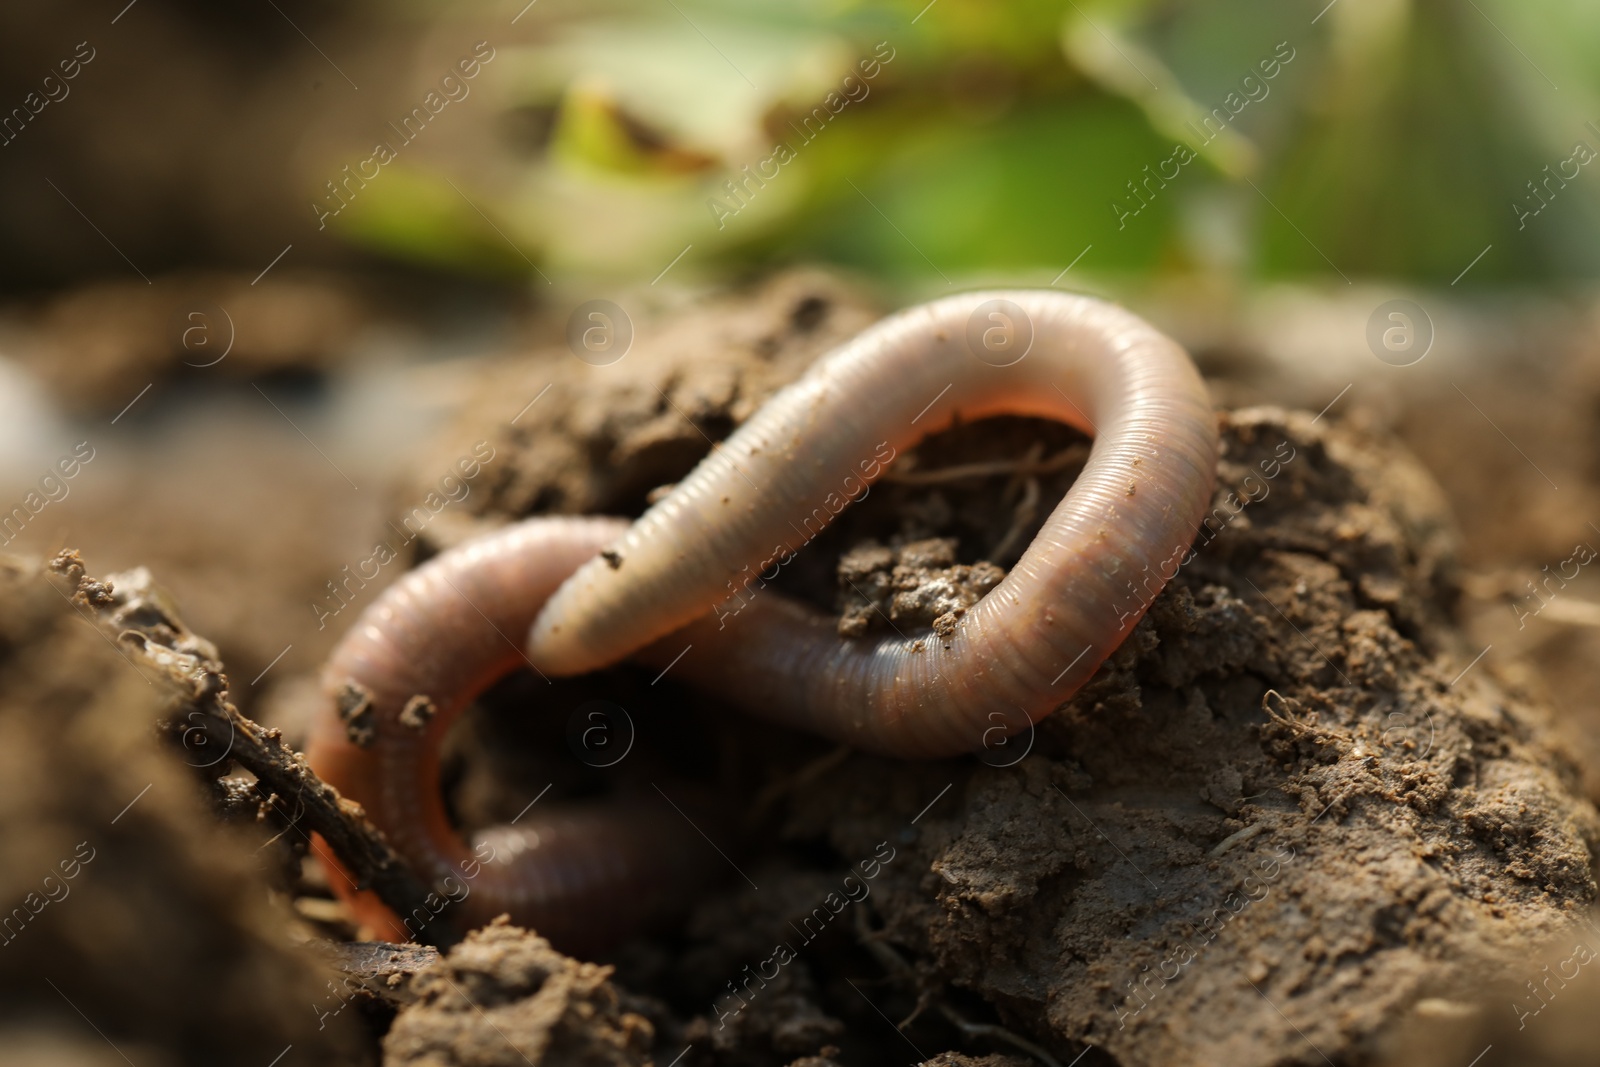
<point>1021,465</point>
<point>998,1033</point>
<point>897,966</point>
<point>804,776</point>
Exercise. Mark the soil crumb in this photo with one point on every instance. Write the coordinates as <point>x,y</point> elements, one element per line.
<point>919,584</point>
<point>504,996</point>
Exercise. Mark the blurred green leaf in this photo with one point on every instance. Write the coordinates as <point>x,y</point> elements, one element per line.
<point>416,215</point>
<point>1412,167</point>
<point>998,139</point>
<point>1029,191</point>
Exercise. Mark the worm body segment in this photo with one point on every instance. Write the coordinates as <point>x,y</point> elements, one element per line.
<point>582,876</point>
<point>1091,572</point>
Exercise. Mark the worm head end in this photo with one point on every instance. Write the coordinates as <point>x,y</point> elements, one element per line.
<point>558,643</point>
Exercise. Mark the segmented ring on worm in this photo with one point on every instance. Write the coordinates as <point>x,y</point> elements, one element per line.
<point>1023,649</point>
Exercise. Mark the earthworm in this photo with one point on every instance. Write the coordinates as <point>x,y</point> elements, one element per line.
<point>1118,535</point>
<point>442,630</point>
<point>582,877</point>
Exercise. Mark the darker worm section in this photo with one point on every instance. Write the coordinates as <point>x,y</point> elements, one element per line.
<point>585,875</point>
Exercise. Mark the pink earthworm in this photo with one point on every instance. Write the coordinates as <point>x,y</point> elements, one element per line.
<point>582,876</point>
<point>1111,543</point>
<point>1019,653</point>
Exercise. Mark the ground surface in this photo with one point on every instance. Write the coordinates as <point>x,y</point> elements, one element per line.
<point>1290,821</point>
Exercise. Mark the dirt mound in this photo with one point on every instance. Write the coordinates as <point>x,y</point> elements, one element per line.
<point>1291,807</point>
<point>1277,818</point>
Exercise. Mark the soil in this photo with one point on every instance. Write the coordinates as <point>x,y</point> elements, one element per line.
<point>96,346</point>
<point>1293,820</point>
<point>577,437</point>
<point>1285,792</point>
<point>539,1006</point>
<point>138,925</point>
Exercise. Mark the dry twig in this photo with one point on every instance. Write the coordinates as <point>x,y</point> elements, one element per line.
<point>143,625</point>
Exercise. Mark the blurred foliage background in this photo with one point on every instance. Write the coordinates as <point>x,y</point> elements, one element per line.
<point>264,255</point>
<point>1392,138</point>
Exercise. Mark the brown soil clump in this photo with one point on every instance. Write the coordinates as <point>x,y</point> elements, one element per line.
<point>1287,810</point>
<point>596,439</point>
<point>134,926</point>
<point>1276,819</point>
<point>505,997</point>
<point>96,346</point>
